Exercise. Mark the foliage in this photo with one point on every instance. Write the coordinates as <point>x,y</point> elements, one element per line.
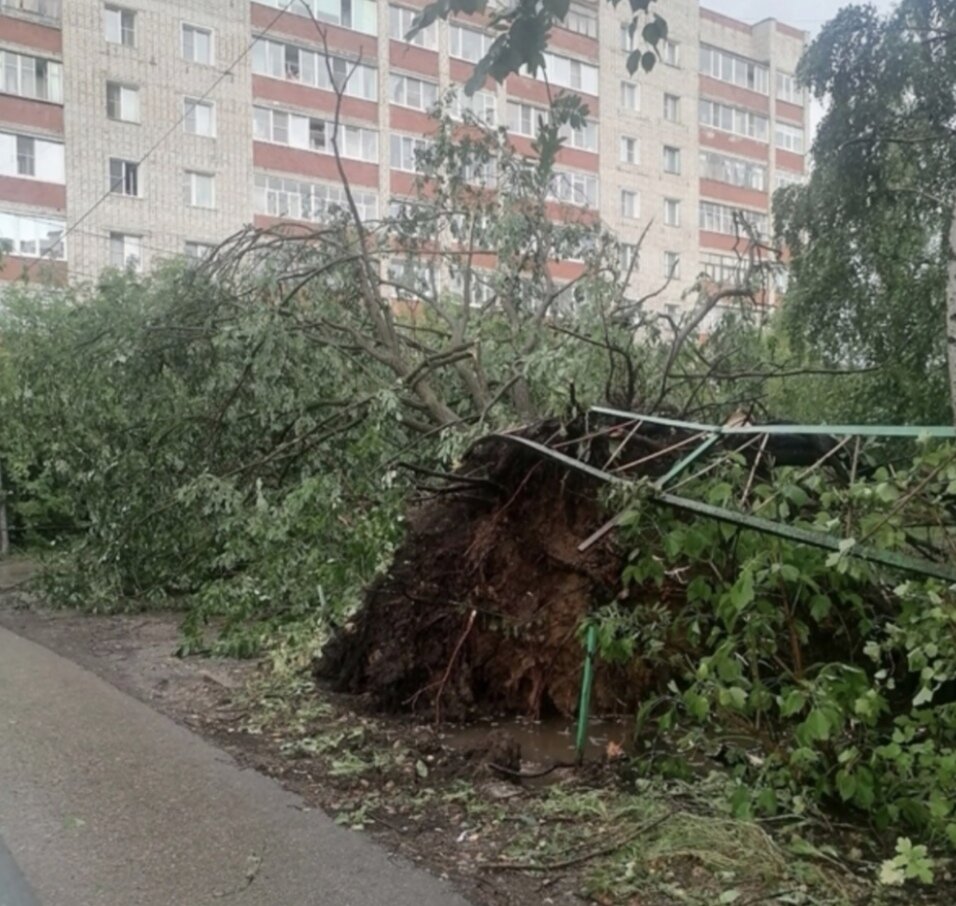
<point>524,28</point>
<point>823,678</point>
<point>868,233</point>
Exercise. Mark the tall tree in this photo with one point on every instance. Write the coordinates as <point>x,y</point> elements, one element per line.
<point>873,234</point>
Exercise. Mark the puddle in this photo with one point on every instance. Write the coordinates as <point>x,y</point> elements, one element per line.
<point>545,742</point>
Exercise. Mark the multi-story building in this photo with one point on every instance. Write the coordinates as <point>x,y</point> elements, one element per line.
<point>141,129</point>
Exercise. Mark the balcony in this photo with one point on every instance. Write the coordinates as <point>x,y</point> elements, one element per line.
<point>46,11</point>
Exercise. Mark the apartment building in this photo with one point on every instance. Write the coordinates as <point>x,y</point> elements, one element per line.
<point>141,129</point>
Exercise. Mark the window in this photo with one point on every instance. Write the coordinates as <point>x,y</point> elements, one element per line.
<point>782,179</point>
<point>671,159</point>
<point>126,251</point>
<point>630,150</point>
<point>410,275</point>
<point>628,257</point>
<point>582,21</point>
<point>279,196</point>
<point>359,15</point>
<point>630,204</point>
<point>400,22</point>
<point>124,177</point>
<point>197,44</point>
<point>671,212</point>
<point>523,118</point>
<point>568,73</point>
<point>788,138</point>
<point>574,188</point>
<point>732,170</point>
<point>467,44</point>
<point>584,138</point>
<point>311,133</point>
<point>47,9</point>
<point>297,64</point>
<point>122,102</point>
<point>26,156</point>
<point>787,88</point>
<point>628,37</point>
<point>733,119</point>
<point>724,268</point>
<point>670,52</point>
<point>31,77</point>
<point>32,237</point>
<point>411,92</point>
<point>199,117</point>
<point>719,218</point>
<point>630,96</point>
<point>198,251</point>
<point>119,25</point>
<point>404,151</point>
<point>672,108</point>
<point>482,105</point>
<point>200,189</point>
<point>671,265</point>
<point>728,67</point>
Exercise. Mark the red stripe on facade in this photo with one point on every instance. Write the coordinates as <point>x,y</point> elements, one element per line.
<point>793,113</point>
<point>311,164</point>
<point>461,71</point>
<point>413,59</point>
<point>787,160</point>
<point>734,94</point>
<point>303,28</point>
<point>569,213</point>
<point>734,195</point>
<point>401,183</point>
<point>578,44</point>
<point>44,38</point>
<point>566,157</point>
<point>293,94</point>
<point>537,92</point>
<point>565,270</point>
<point>413,121</point>
<point>719,242</point>
<point>34,114</point>
<point>33,192</point>
<point>13,267</point>
<point>734,144</point>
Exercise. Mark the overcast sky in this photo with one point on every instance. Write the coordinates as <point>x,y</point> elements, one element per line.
<point>806,14</point>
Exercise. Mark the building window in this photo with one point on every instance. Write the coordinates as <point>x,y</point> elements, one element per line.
<point>313,134</point>
<point>630,150</point>
<point>297,64</point>
<point>787,88</point>
<point>119,25</point>
<point>733,119</point>
<point>523,119</point>
<point>31,77</point>
<point>719,218</point>
<point>26,156</point>
<point>671,212</point>
<point>630,204</point>
<point>122,102</point>
<point>728,67</point>
<point>124,177</point>
<point>404,151</point>
<point>584,138</point>
<point>574,188</point>
<point>32,237</point>
<point>482,105</point>
<point>733,170</point>
<point>782,179</point>
<point>672,108</point>
<point>408,91</point>
<point>566,72</point>
<point>200,189</point>
<point>126,251</point>
<point>197,44</point>
<point>628,37</point>
<point>280,196</point>
<point>198,251</point>
<point>467,44</point>
<point>199,117</point>
<point>671,265</point>
<point>630,96</point>
<point>581,21</point>
<point>724,269</point>
<point>670,52</point>
<point>628,257</point>
<point>788,138</point>
<point>671,159</point>
<point>400,21</point>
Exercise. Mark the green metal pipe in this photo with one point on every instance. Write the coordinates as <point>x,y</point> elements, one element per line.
<point>587,682</point>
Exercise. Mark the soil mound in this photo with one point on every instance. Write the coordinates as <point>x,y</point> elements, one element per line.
<point>481,609</point>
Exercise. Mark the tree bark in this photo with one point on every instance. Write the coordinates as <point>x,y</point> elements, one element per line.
<point>951,308</point>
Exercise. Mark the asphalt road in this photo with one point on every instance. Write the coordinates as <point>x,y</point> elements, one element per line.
<point>104,802</point>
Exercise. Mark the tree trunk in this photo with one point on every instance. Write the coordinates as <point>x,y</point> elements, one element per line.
<point>951,309</point>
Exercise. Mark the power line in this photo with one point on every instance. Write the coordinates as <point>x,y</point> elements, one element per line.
<point>219,79</point>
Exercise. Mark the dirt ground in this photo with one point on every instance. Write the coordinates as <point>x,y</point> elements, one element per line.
<point>598,835</point>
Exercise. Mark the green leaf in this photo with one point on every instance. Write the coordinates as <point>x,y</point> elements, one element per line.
<point>846,785</point>
<point>816,726</point>
<point>648,61</point>
<point>793,702</point>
